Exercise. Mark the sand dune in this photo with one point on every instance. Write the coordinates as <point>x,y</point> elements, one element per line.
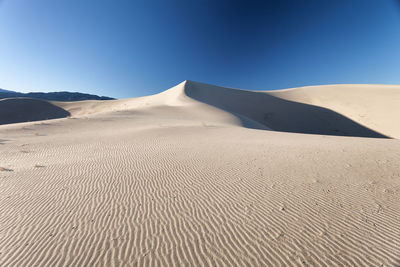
<point>175,179</point>
<point>13,110</point>
<point>275,112</point>
<point>344,110</point>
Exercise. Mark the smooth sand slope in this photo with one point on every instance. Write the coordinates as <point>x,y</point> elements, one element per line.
<point>204,175</point>
<point>14,110</point>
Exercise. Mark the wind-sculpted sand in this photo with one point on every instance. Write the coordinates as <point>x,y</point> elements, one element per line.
<point>195,176</point>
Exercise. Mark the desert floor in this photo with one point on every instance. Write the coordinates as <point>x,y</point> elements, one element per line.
<point>203,175</point>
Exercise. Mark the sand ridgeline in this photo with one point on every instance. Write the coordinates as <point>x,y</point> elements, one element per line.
<point>205,175</point>
<point>342,110</point>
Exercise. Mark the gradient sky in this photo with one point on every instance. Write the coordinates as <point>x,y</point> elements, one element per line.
<point>124,48</point>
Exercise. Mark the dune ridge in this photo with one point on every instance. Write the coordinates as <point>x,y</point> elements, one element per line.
<point>175,179</point>
<point>344,110</point>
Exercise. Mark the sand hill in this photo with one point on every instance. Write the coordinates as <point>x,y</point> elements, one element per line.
<point>203,175</point>
<point>14,110</point>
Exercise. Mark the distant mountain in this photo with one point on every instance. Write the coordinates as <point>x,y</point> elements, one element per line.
<point>55,96</point>
<point>6,91</point>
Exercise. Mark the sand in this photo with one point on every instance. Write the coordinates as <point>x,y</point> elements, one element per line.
<point>200,175</point>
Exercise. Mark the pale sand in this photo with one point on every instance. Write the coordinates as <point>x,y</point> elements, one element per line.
<point>175,179</point>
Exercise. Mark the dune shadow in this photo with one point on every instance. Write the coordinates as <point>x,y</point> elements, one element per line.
<point>276,113</point>
<point>14,110</point>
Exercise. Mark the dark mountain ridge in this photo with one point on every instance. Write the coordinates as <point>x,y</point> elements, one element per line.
<point>53,96</point>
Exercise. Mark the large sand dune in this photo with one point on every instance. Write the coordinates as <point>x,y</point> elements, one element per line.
<point>204,175</point>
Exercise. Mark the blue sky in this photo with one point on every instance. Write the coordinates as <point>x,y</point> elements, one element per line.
<point>124,48</point>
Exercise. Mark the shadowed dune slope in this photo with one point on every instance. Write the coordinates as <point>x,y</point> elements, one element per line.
<point>13,110</point>
<point>280,114</point>
<point>375,106</point>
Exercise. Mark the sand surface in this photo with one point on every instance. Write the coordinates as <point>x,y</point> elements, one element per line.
<point>200,175</point>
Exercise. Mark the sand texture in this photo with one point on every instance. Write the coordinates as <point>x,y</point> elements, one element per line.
<point>201,175</point>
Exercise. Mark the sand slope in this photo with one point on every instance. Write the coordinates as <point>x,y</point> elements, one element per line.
<point>174,179</point>
<point>374,106</point>
<point>13,110</point>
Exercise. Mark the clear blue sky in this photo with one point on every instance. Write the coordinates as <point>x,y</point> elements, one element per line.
<point>124,48</point>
